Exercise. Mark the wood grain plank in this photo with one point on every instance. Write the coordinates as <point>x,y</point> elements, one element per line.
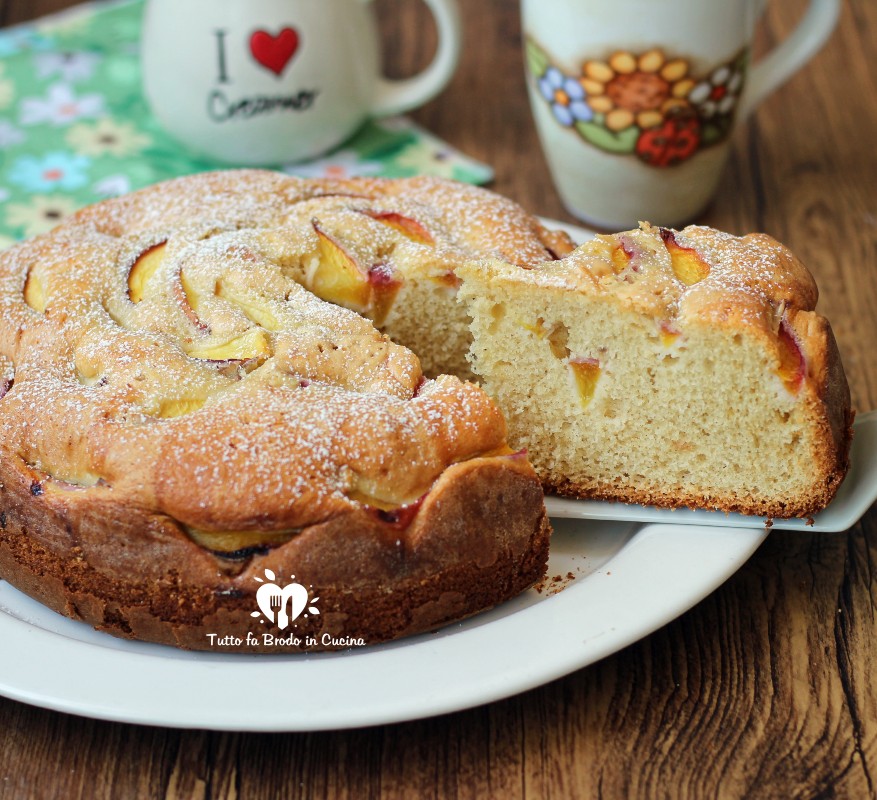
<point>821,178</point>
<point>12,11</point>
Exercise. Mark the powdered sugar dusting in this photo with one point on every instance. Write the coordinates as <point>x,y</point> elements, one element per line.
<point>167,348</point>
<point>752,280</point>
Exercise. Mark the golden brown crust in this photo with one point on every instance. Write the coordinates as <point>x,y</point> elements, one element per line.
<point>168,385</point>
<point>480,537</point>
<point>801,507</point>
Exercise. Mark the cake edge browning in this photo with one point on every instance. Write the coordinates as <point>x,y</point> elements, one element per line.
<point>479,538</point>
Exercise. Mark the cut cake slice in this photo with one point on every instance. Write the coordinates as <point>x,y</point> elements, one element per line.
<point>667,368</point>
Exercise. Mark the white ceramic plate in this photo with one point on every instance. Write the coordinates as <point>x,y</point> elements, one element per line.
<point>628,580</point>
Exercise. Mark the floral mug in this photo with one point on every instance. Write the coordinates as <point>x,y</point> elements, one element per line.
<point>634,101</point>
<point>266,82</point>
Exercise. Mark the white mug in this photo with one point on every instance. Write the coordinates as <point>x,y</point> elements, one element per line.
<point>635,100</point>
<point>265,82</point>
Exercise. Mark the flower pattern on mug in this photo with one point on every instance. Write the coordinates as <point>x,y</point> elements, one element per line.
<point>10,135</point>
<point>340,165</point>
<point>428,158</point>
<point>70,66</point>
<point>567,97</point>
<point>719,93</point>
<point>645,104</point>
<point>113,186</point>
<point>20,38</point>
<point>633,90</point>
<point>7,89</point>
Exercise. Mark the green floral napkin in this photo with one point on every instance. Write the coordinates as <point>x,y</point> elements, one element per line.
<point>74,127</point>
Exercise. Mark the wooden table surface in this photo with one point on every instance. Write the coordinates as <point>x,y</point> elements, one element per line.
<point>767,688</point>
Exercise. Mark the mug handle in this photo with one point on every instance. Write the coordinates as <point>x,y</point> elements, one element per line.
<point>397,96</point>
<point>786,59</point>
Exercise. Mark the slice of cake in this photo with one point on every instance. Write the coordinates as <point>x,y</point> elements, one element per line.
<point>668,368</point>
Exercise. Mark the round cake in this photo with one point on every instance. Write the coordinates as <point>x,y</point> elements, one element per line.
<point>205,442</point>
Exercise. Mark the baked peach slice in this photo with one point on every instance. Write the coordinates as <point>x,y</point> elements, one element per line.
<point>178,407</point>
<point>340,279</point>
<point>254,343</point>
<point>613,251</point>
<point>620,258</point>
<point>372,493</point>
<point>251,305</point>
<point>586,373</point>
<point>385,286</point>
<point>449,280</point>
<point>558,340</point>
<point>142,270</point>
<point>399,511</point>
<point>248,350</point>
<point>187,299</point>
<point>668,333</point>
<point>688,265</point>
<point>792,367</point>
<point>538,328</point>
<point>230,542</point>
<point>409,227</point>
<point>35,292</point>
<point>140,275</point>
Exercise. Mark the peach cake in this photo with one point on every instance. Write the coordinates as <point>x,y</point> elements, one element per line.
<point>673,368</point>
<point>193,404</point>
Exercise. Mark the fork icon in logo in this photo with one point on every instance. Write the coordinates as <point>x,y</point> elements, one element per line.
<point>277,606</point>
<point>273,601</point>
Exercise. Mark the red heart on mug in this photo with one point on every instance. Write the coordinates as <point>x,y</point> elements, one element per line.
<point>274,52</point>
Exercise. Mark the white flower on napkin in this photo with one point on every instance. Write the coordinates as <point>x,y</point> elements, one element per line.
<point>70,66</point>
<point>60,106</point>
